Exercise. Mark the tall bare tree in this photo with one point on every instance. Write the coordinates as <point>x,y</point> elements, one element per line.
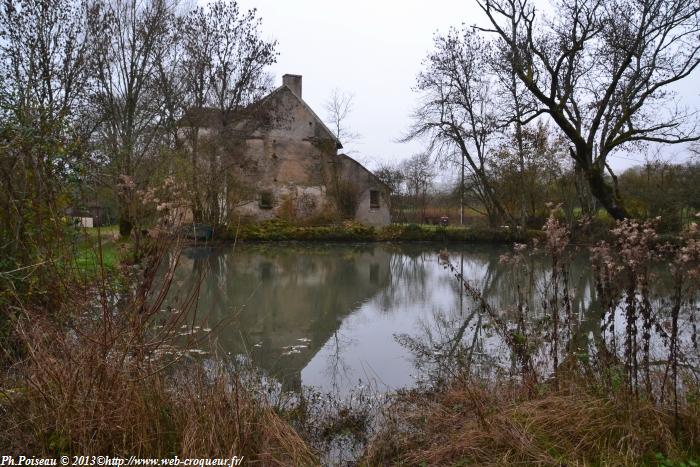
<point>224,69</point>
<point>527,166</point>
<point>603,71</point>
<point>132,37</point>
<point>418,175</point>
<point>43,76</point>
<point>198,45</point>
<point>514,105</point>
<point>457,113</point>
<point>339,106</point>
<point>393,177</point>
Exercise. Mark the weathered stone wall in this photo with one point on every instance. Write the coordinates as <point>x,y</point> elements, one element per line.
<point>289,161</point>
<point>359,183</point>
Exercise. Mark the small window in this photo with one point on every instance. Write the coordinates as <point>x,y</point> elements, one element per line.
<point>374,199</point>
<point>265,200</point>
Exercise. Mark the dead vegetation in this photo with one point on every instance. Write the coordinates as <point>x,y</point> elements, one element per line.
<point>116,370</point>
<point>569,395</point>
<point>72,395</point>
<point>472,423</point>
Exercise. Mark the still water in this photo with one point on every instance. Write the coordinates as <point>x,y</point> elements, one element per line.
<point>330,316</point>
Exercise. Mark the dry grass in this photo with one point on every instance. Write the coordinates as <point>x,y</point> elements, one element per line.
<point>471,424</point>
<point>72,394</point>
<point>611,409</point>
<point>110,373</point>
<point>111,369</point>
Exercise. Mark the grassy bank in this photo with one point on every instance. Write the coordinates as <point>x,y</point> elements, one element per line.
<point>91,243</point>
<point>107,372</point>
<point>353,232</point>
<point>86,389</point>
<point>479,423</point>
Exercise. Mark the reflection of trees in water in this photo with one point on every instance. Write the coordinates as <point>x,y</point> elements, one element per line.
<point>414,276</point>
<point>405,269</point>
<point>277,295</point>
<point>337,369</point>
<point>455,339</point>
<point>445,345</point>
<point>461,340</point>
<point>463,337</point>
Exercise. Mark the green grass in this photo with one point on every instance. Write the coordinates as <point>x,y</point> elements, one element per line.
<point>87,255</point>
<point>353,232</point>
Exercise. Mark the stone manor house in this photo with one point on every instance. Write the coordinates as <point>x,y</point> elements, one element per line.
<point>285,163</point>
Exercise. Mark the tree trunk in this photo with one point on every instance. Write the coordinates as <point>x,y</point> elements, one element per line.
<point>125,225</point>
<point>461,196</point>
<point>605,193</point>
<point>521,148</point>
<point>583,191</point>
<point>496,212</point>
<point>197,201</point>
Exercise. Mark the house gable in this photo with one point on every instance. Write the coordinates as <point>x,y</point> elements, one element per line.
<point>290,115</point>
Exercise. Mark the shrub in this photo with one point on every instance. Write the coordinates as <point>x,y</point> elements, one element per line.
<point>279,230</point>
<point>110,373</point>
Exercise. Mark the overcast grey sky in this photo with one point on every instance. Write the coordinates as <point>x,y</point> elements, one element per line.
<point>373,49</point>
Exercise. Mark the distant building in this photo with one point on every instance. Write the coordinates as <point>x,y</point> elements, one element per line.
<point>284,162</point>
<point>89,214</point>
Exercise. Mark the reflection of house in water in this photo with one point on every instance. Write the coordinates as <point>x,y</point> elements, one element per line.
<point>329,315</point>
<point>286,302</point>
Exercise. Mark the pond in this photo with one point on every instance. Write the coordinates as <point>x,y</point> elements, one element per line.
<point>332,316</point>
